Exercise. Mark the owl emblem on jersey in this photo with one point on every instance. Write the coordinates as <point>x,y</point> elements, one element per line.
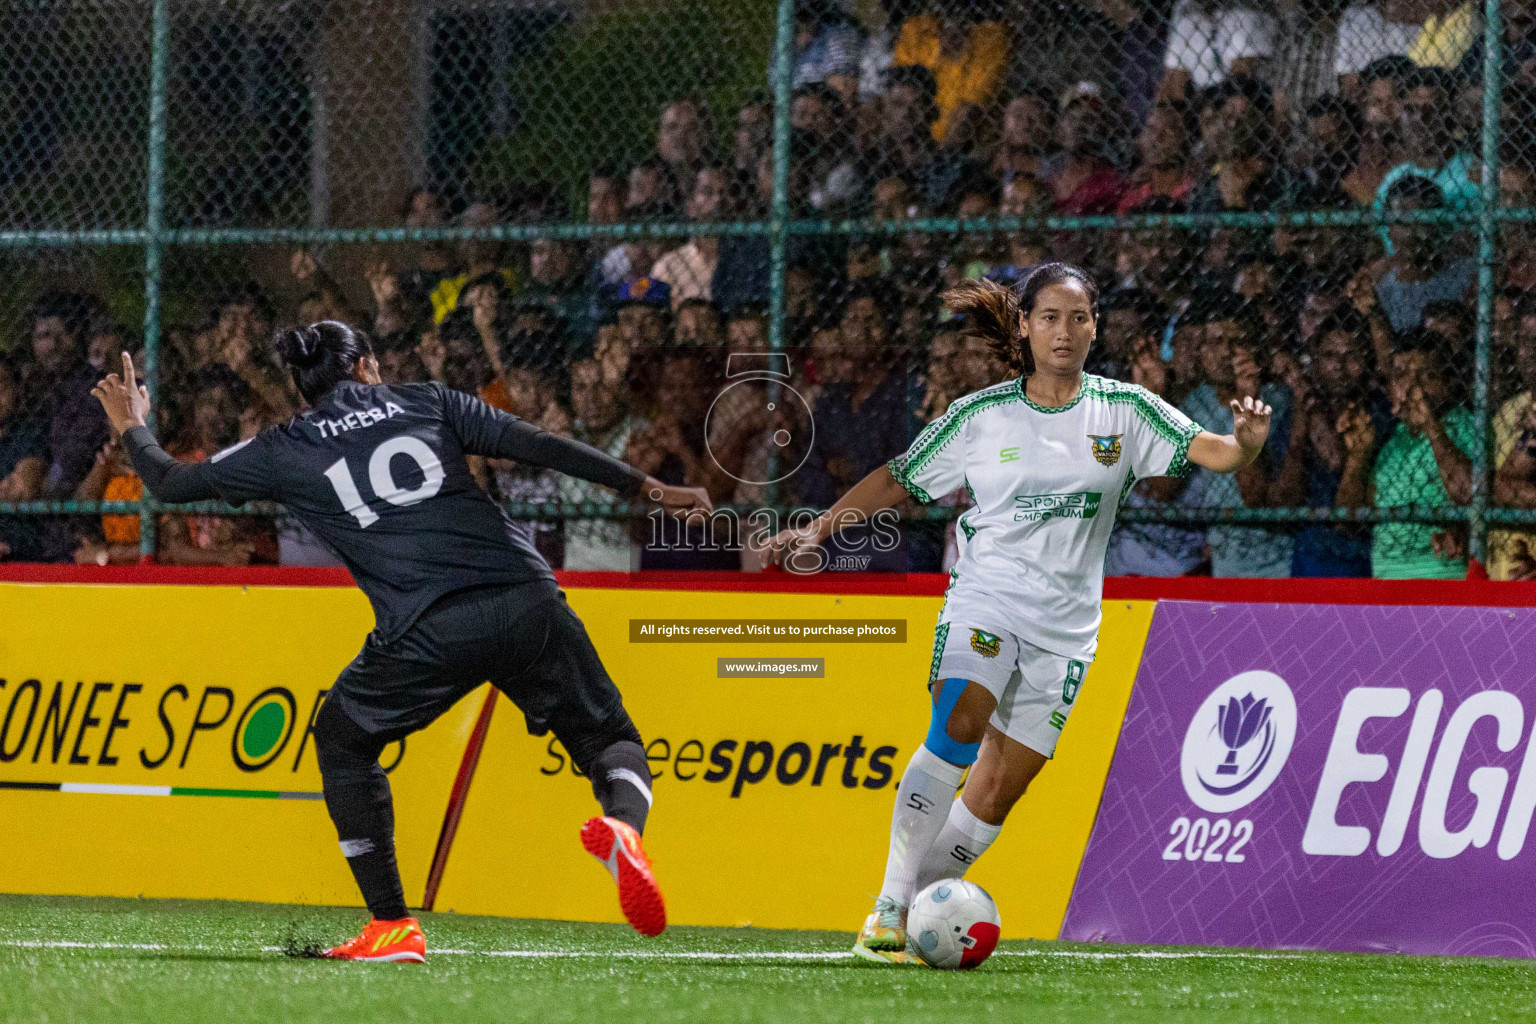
<point>985,644</point>
<point>1105,449</point>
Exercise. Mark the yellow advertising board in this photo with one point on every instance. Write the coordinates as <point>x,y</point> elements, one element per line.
<point>773,796</point>
<point>155,740</point>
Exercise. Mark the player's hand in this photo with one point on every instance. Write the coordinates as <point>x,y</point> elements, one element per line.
<point>125,400</point>
<point>1250,422</point>
<point>789,546</point>
<point>677,501</point>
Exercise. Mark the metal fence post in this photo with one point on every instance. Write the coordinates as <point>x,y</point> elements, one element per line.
<point>1487,255</point>
<point>154,227</point>
<point>783,70</point>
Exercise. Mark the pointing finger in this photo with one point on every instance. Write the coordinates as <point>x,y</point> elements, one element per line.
<point>128,374</point>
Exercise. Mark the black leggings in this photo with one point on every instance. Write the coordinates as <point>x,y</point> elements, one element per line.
<point>546,665</point>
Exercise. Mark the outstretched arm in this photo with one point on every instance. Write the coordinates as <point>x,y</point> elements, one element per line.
<point>486,431</point>
<point>876,491</point>
<point>525,442</point>
<point>126,402</point>
<point>164,477</point>
<point>1228,453</point>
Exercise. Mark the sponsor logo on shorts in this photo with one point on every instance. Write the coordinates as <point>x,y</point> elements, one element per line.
<point>1037,507</point>
<point>1105,449</point>
<point>985,644</point>
<point>1008,455</point>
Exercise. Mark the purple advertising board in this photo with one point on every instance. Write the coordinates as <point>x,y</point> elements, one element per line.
<point>1322,777</point>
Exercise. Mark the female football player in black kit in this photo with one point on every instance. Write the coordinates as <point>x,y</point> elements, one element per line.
<point>378,472</point>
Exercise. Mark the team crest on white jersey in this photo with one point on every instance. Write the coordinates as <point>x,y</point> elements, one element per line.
<point>1106,449</point>
<point>985,644</point>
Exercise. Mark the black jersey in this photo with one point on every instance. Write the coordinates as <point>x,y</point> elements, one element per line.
<point>378,472</point>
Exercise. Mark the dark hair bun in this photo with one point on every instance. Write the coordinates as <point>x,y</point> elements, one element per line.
<point>321,355</point>
<point>300,347</point>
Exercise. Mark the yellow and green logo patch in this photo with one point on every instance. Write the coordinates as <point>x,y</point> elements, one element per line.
<point>985,644</point>
<point>1105,449</point>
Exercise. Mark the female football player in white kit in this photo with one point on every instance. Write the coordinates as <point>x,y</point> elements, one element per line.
<point>1047,456</point>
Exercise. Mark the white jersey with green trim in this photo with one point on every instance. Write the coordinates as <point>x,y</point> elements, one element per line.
<point>1046,484</point>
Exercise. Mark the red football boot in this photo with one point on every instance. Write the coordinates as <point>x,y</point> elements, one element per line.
<point>385,942</point>
<point>617,845</point>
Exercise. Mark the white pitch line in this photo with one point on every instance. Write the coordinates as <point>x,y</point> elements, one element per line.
<point>1084,954</point>
<point>647,954</point>
<point>784,955</point>
<point>62,944</point>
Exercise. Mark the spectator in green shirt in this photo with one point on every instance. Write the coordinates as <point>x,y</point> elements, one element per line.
<point>1425,462</point>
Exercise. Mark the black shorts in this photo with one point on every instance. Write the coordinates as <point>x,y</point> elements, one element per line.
<point>523,639</point>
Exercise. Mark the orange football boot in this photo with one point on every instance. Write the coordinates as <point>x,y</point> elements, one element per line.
<point>385,942</point>
<point>617,845</point>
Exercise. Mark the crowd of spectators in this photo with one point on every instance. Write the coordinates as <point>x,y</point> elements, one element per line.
<point>1361,339</point>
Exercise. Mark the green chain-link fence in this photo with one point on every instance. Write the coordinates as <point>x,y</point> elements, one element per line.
<point>711,237</point>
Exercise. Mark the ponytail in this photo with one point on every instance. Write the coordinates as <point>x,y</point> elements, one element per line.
<point>992,314</point>
<point>321,355</point>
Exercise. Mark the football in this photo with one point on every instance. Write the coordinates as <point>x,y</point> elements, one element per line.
<point>953,925</point>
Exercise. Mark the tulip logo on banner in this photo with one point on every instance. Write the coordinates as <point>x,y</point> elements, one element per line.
<point>1238,741</point>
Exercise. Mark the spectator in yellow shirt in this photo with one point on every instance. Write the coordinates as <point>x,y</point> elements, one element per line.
<point>478,256</point>
<point>967,57</point>
<point>1446,36</point>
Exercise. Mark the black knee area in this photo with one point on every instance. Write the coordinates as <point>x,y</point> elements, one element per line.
<point>584,746</point>
<point>356,788</point>
<point>341,744</point>
<point>621,781</point>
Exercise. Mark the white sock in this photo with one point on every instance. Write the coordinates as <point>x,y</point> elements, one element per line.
<point>922,800</point>
<point>960,844</point>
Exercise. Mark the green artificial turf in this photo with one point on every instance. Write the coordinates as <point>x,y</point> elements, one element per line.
<point>167,961</point>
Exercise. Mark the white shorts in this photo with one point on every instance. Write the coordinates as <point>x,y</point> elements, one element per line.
<point>1035,689</point>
